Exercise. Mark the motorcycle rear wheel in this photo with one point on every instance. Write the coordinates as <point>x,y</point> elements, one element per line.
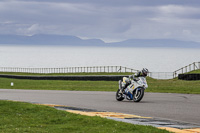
<point>138,95</point>
<point>119,96</point>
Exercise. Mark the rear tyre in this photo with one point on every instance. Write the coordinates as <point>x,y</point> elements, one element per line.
<point>119,96</point>
<point>138,94</point>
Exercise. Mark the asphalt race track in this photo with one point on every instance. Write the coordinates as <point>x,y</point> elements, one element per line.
<point>178,107</point>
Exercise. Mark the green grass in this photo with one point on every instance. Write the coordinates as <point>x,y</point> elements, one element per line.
<point>195,71</point>
<point>58,85</point>
<point>164,86</point>
<point>19,117</point>
<point>174,86</point>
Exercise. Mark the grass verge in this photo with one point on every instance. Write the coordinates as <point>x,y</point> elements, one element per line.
<point>21,117</point>
<point>164,86</point>
<point>174,86</point>
<point>195,72</point>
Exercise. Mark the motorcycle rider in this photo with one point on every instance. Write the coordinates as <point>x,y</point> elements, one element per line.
<point>127,81</point>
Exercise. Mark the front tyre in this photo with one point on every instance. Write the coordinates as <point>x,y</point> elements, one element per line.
<point>138,94</point>
<point>119,96</point>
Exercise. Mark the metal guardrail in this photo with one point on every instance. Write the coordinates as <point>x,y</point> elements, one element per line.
<point>94,69</point>
<point>188,68</point>
<point>107,69</point>
<point>161,75</point>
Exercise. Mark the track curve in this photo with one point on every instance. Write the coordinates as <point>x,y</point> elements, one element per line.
<point>179,107</point>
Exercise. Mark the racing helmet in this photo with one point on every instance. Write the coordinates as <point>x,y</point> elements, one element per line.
<point>145,71</point>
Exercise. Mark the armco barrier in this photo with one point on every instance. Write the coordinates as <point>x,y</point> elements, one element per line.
<point>91,78</point>
<point>189,76</point>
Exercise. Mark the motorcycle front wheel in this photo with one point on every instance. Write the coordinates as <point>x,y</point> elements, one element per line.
<point>119,96</point>
<point>138,94</point>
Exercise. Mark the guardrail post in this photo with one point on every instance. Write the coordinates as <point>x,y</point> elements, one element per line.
<point>185,68</point>
<point>175,74</point>
<point>199,65</point>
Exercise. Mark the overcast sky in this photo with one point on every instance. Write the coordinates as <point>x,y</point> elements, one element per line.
<point>109,20</point>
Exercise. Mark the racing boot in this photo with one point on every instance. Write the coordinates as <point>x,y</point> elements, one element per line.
<point>123,87</point>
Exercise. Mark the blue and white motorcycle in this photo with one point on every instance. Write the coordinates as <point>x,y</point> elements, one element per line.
<point>134,91</point>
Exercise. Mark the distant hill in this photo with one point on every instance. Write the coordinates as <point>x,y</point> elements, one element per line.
<point>44,39</point>
<point>156,43</point>
<point>66,40</point>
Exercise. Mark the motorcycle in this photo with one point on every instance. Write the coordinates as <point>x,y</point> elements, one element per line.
<point>134,91</point>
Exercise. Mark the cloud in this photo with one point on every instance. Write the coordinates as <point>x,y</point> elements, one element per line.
<point>111,20</point>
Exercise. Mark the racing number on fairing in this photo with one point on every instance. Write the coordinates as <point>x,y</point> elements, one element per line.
<point>131,86</point>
